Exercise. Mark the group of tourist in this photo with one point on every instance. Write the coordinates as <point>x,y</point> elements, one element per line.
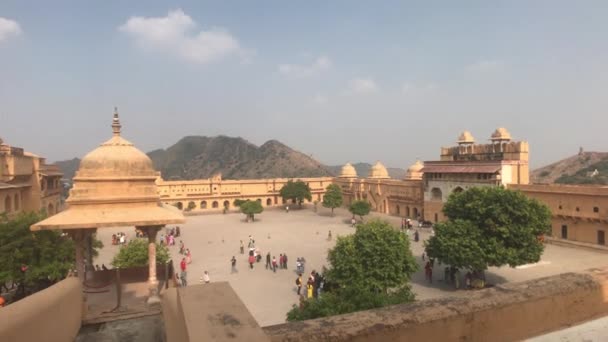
<point>119,239</point>
<point>169,238</point>
<point>314,284</point>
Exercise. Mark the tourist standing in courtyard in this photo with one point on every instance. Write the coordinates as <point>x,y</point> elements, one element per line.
<point>353,222</point>
<point>284,261</point>
<point>233,263</point>
<point>299,283</point>
<point>274,264</point>
<point>206,277</point>
<point>251,260</point>
<point>428,270</point>
<point>281,260</point>
<point>268,265</point>
<point>242,247</point>
<point>416,236</point>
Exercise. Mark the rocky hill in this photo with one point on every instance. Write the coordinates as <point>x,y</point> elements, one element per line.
<point>363,170</point>
<point>578,169</point>
<point>196,157</point>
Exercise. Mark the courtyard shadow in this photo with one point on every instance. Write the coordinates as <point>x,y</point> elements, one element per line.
<point>439,283</point>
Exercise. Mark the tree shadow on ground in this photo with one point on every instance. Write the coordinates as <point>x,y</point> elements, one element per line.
<point>439,282</point>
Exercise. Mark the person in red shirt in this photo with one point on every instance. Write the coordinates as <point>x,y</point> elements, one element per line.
<point>182,265</point>
<point>251,261</point>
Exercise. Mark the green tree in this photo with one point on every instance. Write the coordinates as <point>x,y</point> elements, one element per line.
<point>369,269</point>
<point>360,208</point>
<point>333,197</point>
<point>296,191</point>
<point>238,202</point>
<point>32,260</point>
<point>135,254</point>
<point>490,226</point>
<point>250,208</point>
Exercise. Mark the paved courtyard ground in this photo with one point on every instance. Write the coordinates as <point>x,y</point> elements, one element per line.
<point>214,239</point>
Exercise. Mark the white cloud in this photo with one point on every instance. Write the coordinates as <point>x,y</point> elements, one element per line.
<point>319,99</point>
<point>8,28</point>
<point>302,71</point>
<point>362,86</point>
<point>175,33</point>
<point>485,66</point>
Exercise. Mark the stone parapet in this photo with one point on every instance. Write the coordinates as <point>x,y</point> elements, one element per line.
<point>510,312</point>
<point>51,315</point>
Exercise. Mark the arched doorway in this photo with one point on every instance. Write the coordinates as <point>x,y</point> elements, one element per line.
<point>436,194</point>
<point>269,202</point>
<point>407,211</point>
<point>50,209</point>
<point>203,204</point>
<point>179,205</point>
<point>215,205</point>
<point>191,205</point>
<point>7,204</point>
<point>259,200</point>
<point>458,190</point>
<point>415,213</point>
<point>16,202</point>
<point>226,204</point>
<point>398,210</point>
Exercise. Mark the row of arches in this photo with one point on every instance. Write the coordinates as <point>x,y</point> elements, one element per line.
<point>214,204</point>
<point>407,211</point>
<point>437,194</point>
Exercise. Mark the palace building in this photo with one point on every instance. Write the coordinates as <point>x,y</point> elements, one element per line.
<point>27,183</point>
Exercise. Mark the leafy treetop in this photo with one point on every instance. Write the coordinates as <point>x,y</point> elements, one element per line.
<point>333,197</point>
<point>360,208</point>
<point>296,191</point>
<point>135,254</point>
<point>490,226</point>
<point>250,208</point>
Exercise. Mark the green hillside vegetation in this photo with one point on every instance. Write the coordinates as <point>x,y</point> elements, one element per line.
<point>583,176</point>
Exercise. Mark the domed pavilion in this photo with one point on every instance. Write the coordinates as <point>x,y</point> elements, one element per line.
<point>414,172</point>
<point>500,135</point>
<point>466,138</point>
<point>378,171</point>
<point>113,187</point>
<point>348,171</point>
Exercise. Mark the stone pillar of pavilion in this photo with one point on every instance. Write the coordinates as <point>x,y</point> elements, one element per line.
<point>115,186</point>
<point>152,232</point>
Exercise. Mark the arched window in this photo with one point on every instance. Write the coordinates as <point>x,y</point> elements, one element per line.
<point>259,200</point>
<point>16,202</point>
<point>398,210</point>
<point>50,210</point>
<point>416,213</point>
<point>191,205</point>
<point>458,190</point>
<point>203,204</point>
<point>179,206</point>
<point>436,194</point>
<point>269,202</point>
<point>7,204</point>
<point>215,205</point>
<point>407,211</point>
<point>226,204</point>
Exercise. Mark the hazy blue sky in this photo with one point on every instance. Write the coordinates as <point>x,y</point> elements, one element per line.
<point>341,80</point>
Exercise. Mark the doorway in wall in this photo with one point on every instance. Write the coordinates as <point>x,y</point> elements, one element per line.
<point>564,231</point>
<point>601,238</point>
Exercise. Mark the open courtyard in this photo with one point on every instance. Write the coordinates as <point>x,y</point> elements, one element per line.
<point>214,239</point>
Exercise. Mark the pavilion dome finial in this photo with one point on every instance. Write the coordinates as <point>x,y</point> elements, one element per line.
<point>348,171</point>
<point>116,123</point>
<point>378,171</point>
<point>500,135</point>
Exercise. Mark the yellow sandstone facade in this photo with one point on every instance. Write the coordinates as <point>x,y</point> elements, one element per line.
<point>27,183</point>
<point>215,194</point>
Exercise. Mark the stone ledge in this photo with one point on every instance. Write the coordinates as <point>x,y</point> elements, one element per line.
<point>504,313</point>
